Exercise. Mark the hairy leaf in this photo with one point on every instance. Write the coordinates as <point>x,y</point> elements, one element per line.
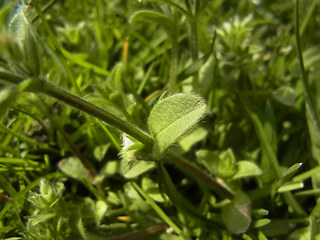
<point>172,117</point>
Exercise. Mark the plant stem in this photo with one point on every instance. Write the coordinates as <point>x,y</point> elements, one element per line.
<point>193,19</point>
<point>73,147</point>
<point>48,88</point>
<point>93,110</point>
<point>174,53</point>
<point>142,232</point>
<point>310,105</point>
<point>194,49</point>
<point>173,64</point>
<point>201,175</point>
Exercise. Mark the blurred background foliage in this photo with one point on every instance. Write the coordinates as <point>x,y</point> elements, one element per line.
<point>95,49</point>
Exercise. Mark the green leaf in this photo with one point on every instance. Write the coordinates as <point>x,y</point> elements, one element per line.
<point>269,124</point>
<point>193,68</point>
<point>276,227</point>
<point>20,195</point>
<point>311,56</point>
<point>261,222</point>
<point>81,228</point>
<point>132,150</point>
<point>180,201</point>
<point>40,218</point>
<point>271,155</point>
<point>83,63</point>
<point>285,95</point>
<point>135,168</point>
<point>158,210</point>
<point>172,117</point>
<point>223,165</point>
<point>22,31</point>
<point>174,3</point>
<point>195,136</point>
<point>51,191</point>
<point>283,184</point>
<point>291,171</point>
<point>152,189</point>
<point>151,16</point>
<point>290,186</point>
<point>100,151</point>
<point>9,95</point>
<point>101,208</point>
<point>237,214</point>
<point>247,169</point>
<point>75,169</point>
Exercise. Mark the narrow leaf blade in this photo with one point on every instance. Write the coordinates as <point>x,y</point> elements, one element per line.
<point>151,16</point>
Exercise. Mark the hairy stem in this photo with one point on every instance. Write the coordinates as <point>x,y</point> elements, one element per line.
<point>48,88</point>
<point>93,110</point>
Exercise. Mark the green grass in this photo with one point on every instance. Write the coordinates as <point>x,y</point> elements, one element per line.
<point>159,119</point>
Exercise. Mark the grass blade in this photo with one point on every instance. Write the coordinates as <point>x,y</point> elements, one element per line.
<point>158,210</point>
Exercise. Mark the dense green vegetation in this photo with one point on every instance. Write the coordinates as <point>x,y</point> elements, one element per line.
<point>159,119</point>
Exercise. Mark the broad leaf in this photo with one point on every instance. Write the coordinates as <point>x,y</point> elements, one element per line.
<point>136,169</point>
<point>194,137</point>
<point>237,214</point>
<point>285,95</point>
<point>172,117</point>
<point>223,165</point>
<point>152,189</point>
<point>74,168</point>
<point>247,169</point>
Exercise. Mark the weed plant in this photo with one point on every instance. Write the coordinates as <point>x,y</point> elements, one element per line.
<point>159,119</point>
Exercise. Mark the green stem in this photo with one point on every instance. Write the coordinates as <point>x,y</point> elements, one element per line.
<point>310,105</point>
<point>141,233</point>
<point>73,147</point>
<point>48,88</point>
<point>193,19</point>
<point>79,103</point>
<point>194,49</point>
<point>201,175</point>
<point>173,64</point>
